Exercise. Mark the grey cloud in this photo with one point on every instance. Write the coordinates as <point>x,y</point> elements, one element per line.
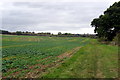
<point>32,16</point>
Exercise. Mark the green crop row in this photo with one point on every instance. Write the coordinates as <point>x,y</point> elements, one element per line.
<point>18,53</point>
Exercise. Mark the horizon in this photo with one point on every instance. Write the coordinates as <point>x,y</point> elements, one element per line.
<point>46,32</point>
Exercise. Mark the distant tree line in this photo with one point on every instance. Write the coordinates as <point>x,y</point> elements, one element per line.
<point>24,33</point>
<point>4,32</point>
<point>47,34</point>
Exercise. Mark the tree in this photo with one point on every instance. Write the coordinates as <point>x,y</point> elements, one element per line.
<point>108,25</point>
<point>33,32</point>
<point>67,33</point>
<point>4,32</point>
<point>59,33</point>
<point>18,32</point>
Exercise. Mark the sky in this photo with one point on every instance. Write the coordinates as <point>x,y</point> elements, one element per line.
<point>71,16</point>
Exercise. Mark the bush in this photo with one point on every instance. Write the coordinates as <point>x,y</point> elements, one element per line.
<point>116,39</point>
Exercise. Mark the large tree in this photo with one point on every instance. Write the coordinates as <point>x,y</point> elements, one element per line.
<point>108,25</point>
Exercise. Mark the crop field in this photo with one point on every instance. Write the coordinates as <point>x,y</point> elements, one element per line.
<point>27,56</point>
<point>57,57</point>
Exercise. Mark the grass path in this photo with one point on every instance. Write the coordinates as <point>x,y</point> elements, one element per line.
<point>92,61</point>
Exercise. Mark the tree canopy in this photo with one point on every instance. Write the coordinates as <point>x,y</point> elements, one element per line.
<point>108,24</point>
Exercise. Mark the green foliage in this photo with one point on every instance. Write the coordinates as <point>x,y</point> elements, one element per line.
<point>108,25</point>
<point>4,32</point>
<point>18,56</point>
<point>18,32</point>
<point>59,33</point>
<point>21,52</point>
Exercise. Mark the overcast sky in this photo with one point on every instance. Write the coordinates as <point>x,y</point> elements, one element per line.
<point>53,16</point>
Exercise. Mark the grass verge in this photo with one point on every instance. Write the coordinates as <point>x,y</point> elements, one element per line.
<point>94,60</point>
